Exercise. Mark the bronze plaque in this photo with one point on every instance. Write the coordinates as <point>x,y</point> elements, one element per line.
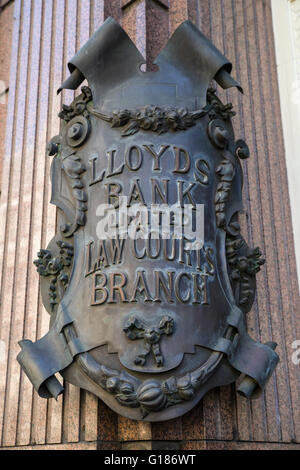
<point>148,279</point>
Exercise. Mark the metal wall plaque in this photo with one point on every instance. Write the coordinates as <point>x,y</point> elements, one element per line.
<point>148,320</point>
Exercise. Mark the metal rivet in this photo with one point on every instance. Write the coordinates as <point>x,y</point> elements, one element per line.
<point>75,131</point>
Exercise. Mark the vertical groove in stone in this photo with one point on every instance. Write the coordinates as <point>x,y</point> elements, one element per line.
<point>13,232</point>
<point>193,7</point>
<point>269,292</point>
<point>5,273</point>
<point>178,13</point>
<point>54,411</point>
<point>112,8</point>
<point>243,410</point>
<point>23,281</point>
<point>147,24</point>
<point>129,23</point>
<point>88,13</point>
<point>83,20</point>
<point>225,397</point>
<point>236,53</point>
<point>270,412</point>
<point>264,324</point>
<point>211,401</point>
<point>255,318</point>
<point>229,400</point>
<point>290,290</point>
<point>283,319</point>
<point>6,30</point>
<point>32,326</point>
<point>205,18</point>
<point>71,396</point>
<point>141,40</point>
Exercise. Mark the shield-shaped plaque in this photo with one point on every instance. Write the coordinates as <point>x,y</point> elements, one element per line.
<point>148,278</point>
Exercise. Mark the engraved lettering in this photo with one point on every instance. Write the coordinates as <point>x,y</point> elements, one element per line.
<point>98,286</point>
<point>128,158</point>
<point>182,194</point>
<point>209,264</point>
<point>179,152</point>
<point>136,193</point>
<point>161,282</point>
<point>89,270</point>
<point>200,289</point>
<point>167,256</point>
<point>156,156</point>
<point>95,177</point>
<point>113,191</point>
<point>102,256</point>
<point>111,161</point>
<point>184,254</point>
<point>149,247</point>
<point>140,287</point>
<point>136,253</point>
<point>203,169</point>
<point>117,247</point>
<point>117,287</point>
<point>177,288</point>
<point>157,190</point>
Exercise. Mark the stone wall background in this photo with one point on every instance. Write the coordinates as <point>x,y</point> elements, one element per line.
<point>37,37</point>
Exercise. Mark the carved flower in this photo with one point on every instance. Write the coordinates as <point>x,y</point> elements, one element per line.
<point>179,119</point>
<point>67,112</point>
<point>146,117</point>
<point>120,118</point>
<point>54,266</point>
<point>147,111</point>
<point>46,265</point>
<point>147,123</point>
<point>78,107</point>
<point>172,115</point>
<point>153,118</point>
<point>41,263</point>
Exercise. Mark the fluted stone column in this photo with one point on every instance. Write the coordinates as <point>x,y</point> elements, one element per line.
<point>45,34</point>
